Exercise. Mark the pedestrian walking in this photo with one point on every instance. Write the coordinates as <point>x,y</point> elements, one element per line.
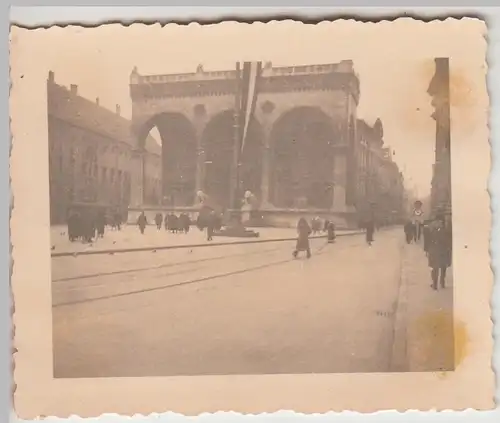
<point>370,229</point>
<point>304,230</point>
<point>331,233</point>
<point>100,224</point>
<point>74,226</point>
<point>439,251</point>
<point>184,223</point>
<point>142,221</point>
<point>211,225</point>
<point>158,220</point>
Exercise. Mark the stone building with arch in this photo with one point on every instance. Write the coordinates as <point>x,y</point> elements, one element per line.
<point>301,154</point>
<point>91,152</point>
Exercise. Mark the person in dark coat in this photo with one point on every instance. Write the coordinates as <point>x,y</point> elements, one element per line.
<point>74,226</point>
<point>117,221</point>
<point>304,230</point>
<point>100,222</point>
<point>173,223</point>
<point>184,223</point>
<point>142,221</point>
<point>370,229</point>
<point>211,222</point>
<point>409,231</point>
<point>331,233</point>
<point>89,229</point>
<point>439,251</point>
<point>158,220</point>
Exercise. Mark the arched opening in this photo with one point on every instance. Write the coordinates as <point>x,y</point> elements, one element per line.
<point>302,142</point>
<point>218,142</point>
<point>178,160</point>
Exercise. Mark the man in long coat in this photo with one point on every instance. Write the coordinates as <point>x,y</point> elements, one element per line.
<point>142,222</point>
<point>439,251</point>
<point>370,229</point>
<point>158,220</point>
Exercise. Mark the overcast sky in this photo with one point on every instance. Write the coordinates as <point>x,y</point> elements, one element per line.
<point>394,62</point>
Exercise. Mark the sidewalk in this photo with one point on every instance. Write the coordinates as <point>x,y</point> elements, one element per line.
<point>424,331</point>
<point>130,238</point>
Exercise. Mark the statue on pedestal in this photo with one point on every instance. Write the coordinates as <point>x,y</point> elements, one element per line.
<point>249,204</point>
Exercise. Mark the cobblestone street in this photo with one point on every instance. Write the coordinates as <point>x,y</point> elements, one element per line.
<point>234,309</point>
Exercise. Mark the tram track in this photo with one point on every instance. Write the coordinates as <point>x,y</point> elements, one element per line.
<point>318,251</point>
<point>160,266</point>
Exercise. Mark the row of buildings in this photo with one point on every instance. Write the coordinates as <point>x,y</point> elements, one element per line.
<point>380,191</point>
<point>91,154</point>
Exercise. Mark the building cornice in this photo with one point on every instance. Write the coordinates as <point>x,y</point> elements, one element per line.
<point>347,82</point>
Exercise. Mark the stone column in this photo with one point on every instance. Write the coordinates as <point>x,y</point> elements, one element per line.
<point>266,169</point>
<point>267,117</point>
<point>200,121</point>
<point>200,158</point>
<point>339,182</point>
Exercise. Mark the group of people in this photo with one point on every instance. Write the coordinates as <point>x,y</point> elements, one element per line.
<point>437,245</point>
<point>207,219</point>
<point>173,223</point>
<point>88,225</point>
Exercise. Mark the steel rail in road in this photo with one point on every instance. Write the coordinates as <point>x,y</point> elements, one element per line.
<point>174,247</point>
<point>319,251</point>
<point>162,266</point>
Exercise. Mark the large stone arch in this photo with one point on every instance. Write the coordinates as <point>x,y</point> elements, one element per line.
<point>302,142</point>
<point>218,141</point>
<point>179,152</point>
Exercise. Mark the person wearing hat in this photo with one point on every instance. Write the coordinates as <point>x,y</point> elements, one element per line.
<point>439,250</point>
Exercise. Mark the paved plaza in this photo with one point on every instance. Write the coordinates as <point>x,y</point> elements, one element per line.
<point>237,309</point>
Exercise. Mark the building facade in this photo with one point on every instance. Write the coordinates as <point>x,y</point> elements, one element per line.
<point>300,153</point>
<point>91,154</point>
<point>380,183</point>
<point>439,89</point>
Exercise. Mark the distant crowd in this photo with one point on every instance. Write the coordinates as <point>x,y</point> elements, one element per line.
<point>207,220</point>
<point>87,225</point>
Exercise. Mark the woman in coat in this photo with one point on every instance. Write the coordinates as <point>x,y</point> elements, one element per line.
<point>304,230</point>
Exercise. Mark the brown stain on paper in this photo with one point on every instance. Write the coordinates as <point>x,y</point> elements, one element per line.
<point>464,99</point>
<point>443,341</point>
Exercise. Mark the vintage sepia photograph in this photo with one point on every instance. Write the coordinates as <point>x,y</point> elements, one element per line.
<point>219,208</point>
<point>251,219</point>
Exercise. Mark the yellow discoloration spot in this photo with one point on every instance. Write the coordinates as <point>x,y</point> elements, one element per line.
<point>442,342</point>
<point>461,342</point>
